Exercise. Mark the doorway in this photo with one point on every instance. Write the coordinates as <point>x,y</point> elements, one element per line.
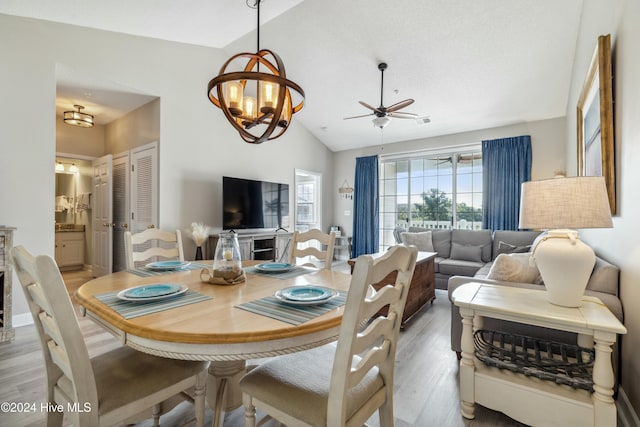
<point>112,106</point>
<point>308,200</point>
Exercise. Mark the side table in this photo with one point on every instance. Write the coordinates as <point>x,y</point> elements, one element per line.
<point>423,284</point>
<point>527,399</point>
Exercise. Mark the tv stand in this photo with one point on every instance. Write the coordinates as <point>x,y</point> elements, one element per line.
<point>263,246</point>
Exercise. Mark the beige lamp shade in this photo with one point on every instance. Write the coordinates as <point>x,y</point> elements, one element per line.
<point>562,205</point>
<point>576,202</point>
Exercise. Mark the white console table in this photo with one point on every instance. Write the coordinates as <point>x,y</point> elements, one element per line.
<point>268,246</point>
<point>531,400</point>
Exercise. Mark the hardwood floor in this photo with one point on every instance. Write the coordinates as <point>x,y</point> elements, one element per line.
<point>426,377</point>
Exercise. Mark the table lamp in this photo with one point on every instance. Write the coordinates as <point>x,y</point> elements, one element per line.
<point>561,205</point>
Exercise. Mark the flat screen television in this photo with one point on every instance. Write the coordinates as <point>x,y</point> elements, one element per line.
<point>252,204</point>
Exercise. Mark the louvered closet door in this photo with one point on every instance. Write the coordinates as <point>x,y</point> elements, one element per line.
<point>144,187</point>
<point>121,212</point>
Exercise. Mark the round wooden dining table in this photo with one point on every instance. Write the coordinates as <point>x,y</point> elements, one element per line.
<point>216,329</point>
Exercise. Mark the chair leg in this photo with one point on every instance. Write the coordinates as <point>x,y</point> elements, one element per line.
<point>249,411</point>
<point>385,413</point>
<point>54,418</point>
<point>199,397</point>
<point>155,414</point>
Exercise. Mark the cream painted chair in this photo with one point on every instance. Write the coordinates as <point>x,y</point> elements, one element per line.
<point>150,244</point>
<point>313,236</point>
<point>341,385</point>
<point>108,388</point>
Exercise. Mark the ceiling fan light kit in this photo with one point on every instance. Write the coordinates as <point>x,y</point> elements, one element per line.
<point>384,114</point>
<point>257,99</point>
<point>381,122</point>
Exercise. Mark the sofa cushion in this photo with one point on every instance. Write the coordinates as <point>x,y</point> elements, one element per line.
<point>480,238</point>
<point>436,263</point>
<point>516,267</point>
<point>513,238</point>
<point>506,248</point>
<point>441,240</point>
<point>604,277</point>
<point>466,252</point>
<point>421,240</point>
<point>454,267</point>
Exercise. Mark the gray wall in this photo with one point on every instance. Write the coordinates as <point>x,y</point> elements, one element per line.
<point>620,245</point>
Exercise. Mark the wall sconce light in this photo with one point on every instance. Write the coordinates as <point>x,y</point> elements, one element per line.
<point>71,169</point>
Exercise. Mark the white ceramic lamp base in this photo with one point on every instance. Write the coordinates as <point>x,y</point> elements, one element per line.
<point>565,265</point>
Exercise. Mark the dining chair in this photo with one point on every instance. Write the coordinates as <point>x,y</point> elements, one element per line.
<point>343,384</point>
<point>152,243</point>
<point>311,238</point>
<point>108,388</point>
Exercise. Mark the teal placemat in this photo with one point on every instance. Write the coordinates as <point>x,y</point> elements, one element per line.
<point>145,272</point>
<point>293,314</point>
<point>131,309</point>
<point>294,272</point>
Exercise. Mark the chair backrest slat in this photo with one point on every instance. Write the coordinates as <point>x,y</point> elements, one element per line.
<point>60,358</point>
<point>50,327</point>
<point>151,245</point>
<point>35,290</point>
<point>315,236</point>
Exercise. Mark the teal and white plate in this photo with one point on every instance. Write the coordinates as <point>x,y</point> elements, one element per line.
<point>152,292</point>
<point>306,295</point>
<point>274,267</point>
<point>167,265</point>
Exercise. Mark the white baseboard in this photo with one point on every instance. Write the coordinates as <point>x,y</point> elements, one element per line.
<point>22,319</point>
<point>626,414</point>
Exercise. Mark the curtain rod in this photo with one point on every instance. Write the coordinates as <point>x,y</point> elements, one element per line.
<point>432,151</point>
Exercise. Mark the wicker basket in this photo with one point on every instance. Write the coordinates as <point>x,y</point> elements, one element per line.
<point>548,360</point>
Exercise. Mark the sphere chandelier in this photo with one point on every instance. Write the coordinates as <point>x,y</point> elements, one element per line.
<point>257,98</point>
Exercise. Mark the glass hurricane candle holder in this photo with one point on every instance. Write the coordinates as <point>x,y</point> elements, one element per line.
<point>227,262</point>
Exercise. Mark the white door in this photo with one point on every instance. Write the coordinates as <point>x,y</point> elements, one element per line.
<point>102,216</point>
<point>144,187</point>
<point>121,213</point>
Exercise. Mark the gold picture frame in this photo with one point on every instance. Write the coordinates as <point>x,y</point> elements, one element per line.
<point>596,154</point>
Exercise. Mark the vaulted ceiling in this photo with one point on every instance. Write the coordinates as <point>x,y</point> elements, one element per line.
<point>467,64</point>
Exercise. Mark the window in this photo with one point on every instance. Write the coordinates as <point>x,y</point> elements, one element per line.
<point>439,191</point>
<point>305,195</point>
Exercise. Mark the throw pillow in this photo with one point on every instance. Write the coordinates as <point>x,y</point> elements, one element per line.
<point>506,248</point>
<point>421,240</point>
<point>466,252</point>
<point>516,267</point>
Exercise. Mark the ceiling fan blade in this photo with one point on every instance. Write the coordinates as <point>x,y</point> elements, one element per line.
<point>402,115</point>
<point>357,117</point>
<point>399,105</point>
<point>364,104</point>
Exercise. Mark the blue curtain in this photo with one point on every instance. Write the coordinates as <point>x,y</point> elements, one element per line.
<point>506,164</point>
<point>365,207</point>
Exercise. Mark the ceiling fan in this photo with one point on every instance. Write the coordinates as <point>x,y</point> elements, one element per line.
<point>383,114</point>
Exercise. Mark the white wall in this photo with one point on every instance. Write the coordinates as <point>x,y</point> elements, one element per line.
<point>547,146</point>
<point>197,145</point>
<point>620,245</point>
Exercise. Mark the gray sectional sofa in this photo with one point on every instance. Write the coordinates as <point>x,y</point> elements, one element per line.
<point>458,262</point>
<point>464,252</point>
